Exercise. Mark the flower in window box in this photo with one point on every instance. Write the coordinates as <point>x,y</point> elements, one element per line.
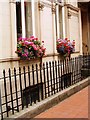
<point>65,47</point>
<point>29,48</point>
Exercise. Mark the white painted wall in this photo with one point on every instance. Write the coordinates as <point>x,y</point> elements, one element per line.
<point>8,40</point>
<point>74,32</point>
<point>72,2</point>
<point>47,32</point>
<point>5,30</point>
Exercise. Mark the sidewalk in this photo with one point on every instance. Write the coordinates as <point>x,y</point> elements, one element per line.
<point>75,106</point>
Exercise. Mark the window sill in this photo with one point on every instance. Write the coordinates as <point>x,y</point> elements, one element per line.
<point>9,59</point>
<point>18,58</point>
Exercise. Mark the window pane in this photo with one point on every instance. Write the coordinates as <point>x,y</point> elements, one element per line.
<point>60,22</point>
<point>28,19</point>
<point>18,19</point>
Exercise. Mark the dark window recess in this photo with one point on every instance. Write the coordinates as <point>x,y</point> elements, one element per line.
<point>32,93</point>
<point>66,80</point>
<point>18,19</point>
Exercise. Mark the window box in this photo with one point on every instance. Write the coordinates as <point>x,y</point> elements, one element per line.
<point>30,48</point>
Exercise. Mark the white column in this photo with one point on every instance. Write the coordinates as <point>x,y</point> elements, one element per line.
<point>57,18</point>
<point>54,28</point>
<point>80,29</point>
<point>23,18</point>
<point>63,21</point>
<point>13,30</point>
<point>41,6</point>
<point>33,16</point>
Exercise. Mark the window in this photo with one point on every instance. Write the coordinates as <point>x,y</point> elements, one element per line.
<point>28,19</point>
<point>58,16</point>
<point>60,22</point>
<point>18,19</point>
<point>24,19</point>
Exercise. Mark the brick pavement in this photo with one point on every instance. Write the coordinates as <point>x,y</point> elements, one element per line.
<point>75,106</point>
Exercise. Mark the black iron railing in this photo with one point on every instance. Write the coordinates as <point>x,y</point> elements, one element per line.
<point>28,85</point>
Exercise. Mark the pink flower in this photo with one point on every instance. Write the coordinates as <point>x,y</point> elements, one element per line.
<point>19,39</point>
<point>35,38</point>
<point>24,39</point>
<point>26,42</point>
<point>24,55</point>
<point>32,38</point>
<point>30,43</point>
<point>43,48</point>
<point>34,47</point>
<point>27,46</point>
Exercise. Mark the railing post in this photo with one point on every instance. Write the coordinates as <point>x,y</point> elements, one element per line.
<point>33,74</point>
<point>21,87</point>
<point>29,75</point>
<point>42,94</point>
<point>16,89</point>
<point>53,76</point>
<point>44,80</point>
<point>74,71</point>
<point>24,70</point>
<point>59,74</point>
<point>47,79</point>
<point>5,92</point>
<point>1,105</point>
<point>56,76</point>
<point>12,104</point>
<point>37,82</point>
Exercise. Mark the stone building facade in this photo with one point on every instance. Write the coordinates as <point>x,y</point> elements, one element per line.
<point>46,19</point>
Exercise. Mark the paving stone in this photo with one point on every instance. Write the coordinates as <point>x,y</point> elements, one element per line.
<point>75,106</point>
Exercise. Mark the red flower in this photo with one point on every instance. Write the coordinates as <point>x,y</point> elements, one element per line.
<point>66,38</point>
<point>42,41</point>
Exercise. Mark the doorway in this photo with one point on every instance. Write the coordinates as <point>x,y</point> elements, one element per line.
<point>85,30</point>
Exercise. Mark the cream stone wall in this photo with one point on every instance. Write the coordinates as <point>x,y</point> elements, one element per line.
<point>48,28</point>
<point>5,27</point>
<point>46,25</point>
<point>73,25</point>
<point>47,33</point>
<point>45,29</point>
<point>74,31</point>
<point>13,29</point>
<point>72,2</point>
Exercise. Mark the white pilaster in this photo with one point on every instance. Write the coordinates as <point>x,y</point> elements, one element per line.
<point>54,29</point>
<point>13,30</point>
<point>63,21</point>
<point>80,29</point>
<point>57,18</point>
<point>41,6</point>
<point>33,16</point>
